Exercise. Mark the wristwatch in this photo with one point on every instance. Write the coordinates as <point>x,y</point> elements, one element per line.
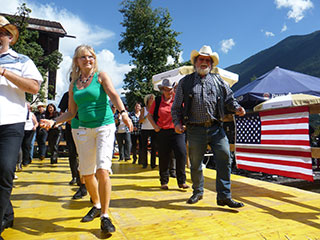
<point>122,111</point>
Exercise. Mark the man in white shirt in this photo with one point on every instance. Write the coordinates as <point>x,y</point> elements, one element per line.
<point>18,75</point>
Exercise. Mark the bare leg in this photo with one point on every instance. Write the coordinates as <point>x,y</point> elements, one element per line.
<point>104,189</point>
<point>92,187</point>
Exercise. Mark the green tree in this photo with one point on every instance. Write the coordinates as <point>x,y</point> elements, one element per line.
<point>149,40</point>
<point>27,45</point>
<point>253,78</point>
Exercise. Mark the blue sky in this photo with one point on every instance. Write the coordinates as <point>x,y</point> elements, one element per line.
<point>234,29</point>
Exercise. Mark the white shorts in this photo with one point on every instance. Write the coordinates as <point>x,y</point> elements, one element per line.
<point>95,147</point>
<point>75,136</point>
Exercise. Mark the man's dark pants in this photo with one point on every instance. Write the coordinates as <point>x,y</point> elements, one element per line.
<point>134,139</point>
<point>73,162</point>
<point>11,136</point>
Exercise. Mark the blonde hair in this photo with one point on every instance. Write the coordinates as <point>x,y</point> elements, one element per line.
<point>147,98</point>
<point>75,71</point>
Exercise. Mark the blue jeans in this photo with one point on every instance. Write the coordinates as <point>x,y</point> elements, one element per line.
<point>199,137</point>
<point>124,144</point>
<point>11,136</point>
<point>32,144</point>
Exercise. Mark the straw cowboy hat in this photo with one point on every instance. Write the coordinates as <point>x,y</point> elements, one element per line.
<point>205,51</point>
<point>166,83</point>
<point>41,104</point>
<point>12,29</point>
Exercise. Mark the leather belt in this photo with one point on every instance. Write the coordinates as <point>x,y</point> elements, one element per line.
<point>205,124</point>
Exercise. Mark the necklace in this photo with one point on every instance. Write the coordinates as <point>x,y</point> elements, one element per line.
<point>85,80</point>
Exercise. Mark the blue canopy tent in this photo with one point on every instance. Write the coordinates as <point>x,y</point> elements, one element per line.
<point>275,83</point>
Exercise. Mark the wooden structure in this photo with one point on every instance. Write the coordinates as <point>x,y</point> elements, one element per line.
<point>49,35</point>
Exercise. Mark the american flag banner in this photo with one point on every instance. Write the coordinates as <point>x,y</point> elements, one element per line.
<point>275,142</point>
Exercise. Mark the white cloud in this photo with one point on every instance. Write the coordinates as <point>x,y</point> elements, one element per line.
<point>115,70</point>
<point>269,34</point>
<point>170,59</point>
<point>297,7</point>
<point>226,45</point>
<point>284,28</point>
<point>74,26</point>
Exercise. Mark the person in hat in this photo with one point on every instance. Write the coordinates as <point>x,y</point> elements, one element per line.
<point>167,139</point>
<point>18,75</point>
<point>42,134</point>
<point>204,96</point>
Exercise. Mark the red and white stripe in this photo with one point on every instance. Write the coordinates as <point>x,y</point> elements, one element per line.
<point>284,148</point>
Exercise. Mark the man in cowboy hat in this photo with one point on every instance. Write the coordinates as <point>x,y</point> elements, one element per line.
<point>42,134</point>
<point>18,75</point>
<point>205,96</point>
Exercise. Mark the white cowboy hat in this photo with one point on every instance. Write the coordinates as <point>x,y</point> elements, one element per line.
<point>12,29</point>
<point>167,83</point>
<point>205,51</point>
<point>41,104</point>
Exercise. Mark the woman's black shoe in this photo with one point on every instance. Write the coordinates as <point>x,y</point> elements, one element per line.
<point>93,213</point>
<point>82,191</point>
<point>106,225</point>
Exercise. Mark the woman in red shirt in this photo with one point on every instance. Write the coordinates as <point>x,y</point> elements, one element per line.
<point>167,139</point>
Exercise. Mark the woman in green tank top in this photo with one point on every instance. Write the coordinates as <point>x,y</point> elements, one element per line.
<point>89,94</point>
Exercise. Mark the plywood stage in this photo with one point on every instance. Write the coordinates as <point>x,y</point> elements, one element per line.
<point>141,210</point>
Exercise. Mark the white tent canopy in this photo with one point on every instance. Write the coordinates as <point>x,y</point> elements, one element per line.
<point>178,73</point>
<point>290,100</point>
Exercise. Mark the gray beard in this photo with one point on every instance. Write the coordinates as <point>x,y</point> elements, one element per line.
<point>203,72</point>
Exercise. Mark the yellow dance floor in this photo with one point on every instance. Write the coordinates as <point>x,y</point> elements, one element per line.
<point>141,210</point>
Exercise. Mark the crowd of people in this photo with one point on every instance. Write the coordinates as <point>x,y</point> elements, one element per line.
<point>186,115</point>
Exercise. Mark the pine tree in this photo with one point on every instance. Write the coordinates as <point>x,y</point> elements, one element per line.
<point>149,40</point>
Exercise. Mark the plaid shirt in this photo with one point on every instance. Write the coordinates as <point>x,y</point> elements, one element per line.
<point>136,124</point>
<point>204,101</point>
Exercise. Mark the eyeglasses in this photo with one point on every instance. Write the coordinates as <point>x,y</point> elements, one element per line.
<point>86,57</point>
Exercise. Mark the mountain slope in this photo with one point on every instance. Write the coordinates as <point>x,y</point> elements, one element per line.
<point>297,53</point>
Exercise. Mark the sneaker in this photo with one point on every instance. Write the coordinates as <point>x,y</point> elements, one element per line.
<point>106,225</point>
<point>93,213</point>
<point>82,191</point>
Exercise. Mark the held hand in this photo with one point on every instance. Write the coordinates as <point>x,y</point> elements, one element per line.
<point>157,128</point>
<point>127,121</point>
<point>180,129</point>
<point>46,123</point>
<point>240,111</point>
